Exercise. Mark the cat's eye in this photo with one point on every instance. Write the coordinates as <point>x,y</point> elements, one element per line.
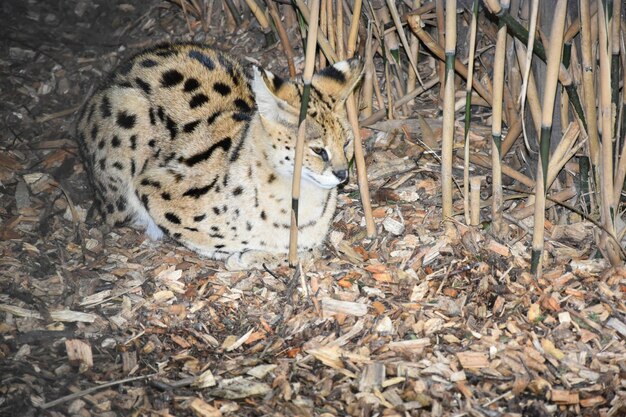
<point>321,152</point>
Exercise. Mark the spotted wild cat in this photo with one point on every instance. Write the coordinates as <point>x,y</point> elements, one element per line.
<point>180,142</point>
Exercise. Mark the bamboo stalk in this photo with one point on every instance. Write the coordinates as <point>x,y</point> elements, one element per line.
<point>439,12</point>
<point>475,197</point>
<point>552,75</point>
<point>307,76</point>
<point>615,75</point>
<point>321,40</point>
<point>323,29</point>
<point>414,23</point>
<point>466,130</point>
<point>414,44</point>
<point>589,93</point>
<point>608,203</point>
<point>340,46</point>
<point>447,144</point>
<point>405,42</point>
<point>496,130</point>
<point>282,35</point>
<point>353,117</point>
<point>620,175</point>
<point>367,88</point>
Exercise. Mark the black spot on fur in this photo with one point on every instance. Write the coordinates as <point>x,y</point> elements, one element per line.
<point>212,117</point>
<point>115,142</point>
<point>170,78</point>
<point>105,107</point>
<point>152,143</point>
<point>146,182</point>
<point>143,85</point>
<point>242,105</point>
<point>241,117</point>
<point>101,144</point>
<point>166,196</point>
<point>121,203</point>
<point>125,120</point>
<point>219,246</point>
<point>92,110</point>
<point>172,218</point>
<point>199,218</point>
<point>197,192</point>
<point>176,235</point>
<point>148,63</point>
<point>263,215</point>
<point>169,157</point>
<point>133,142</point>
<point>190,85</point>
<point>221,88</point>
<point>172,127</point>
<point>198,100</point>
<point>161,113</point>
<point>94,132</point>
<point>125,84</point>
<point>216,236</point>
<point>191,126</point>
<point>191,229</point>
<point>216,210</point>
<point>152,117</point>
<point>165,230</point>
<point>132,167</point>
<point>224,144</point>
<point>271,178</point>
<point>102,163</point>
<point>203,59</point>
<point>118,165</point>
<point>237,191</point>
<point>110,208</point>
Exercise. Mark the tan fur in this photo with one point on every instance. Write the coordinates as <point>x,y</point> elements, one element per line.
<point>181,142</point>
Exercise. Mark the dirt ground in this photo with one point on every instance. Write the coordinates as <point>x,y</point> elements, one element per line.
<point>407,324</point>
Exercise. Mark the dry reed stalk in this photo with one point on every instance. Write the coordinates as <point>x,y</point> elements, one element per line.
<point>560,197</point>
<point>485,162</point>
<point>234,13</point>
<point>549,97</point>
<point>474,183</point>
<point>321,40</point>
<point>331,25</point>
<point>468,114</point>
<point>414,44</point>
<point>589,91</point>
<point>496,130</point>
<point>367,87</point>
<point>447,142</point>
<point>282,35</point>
<point>380,114</point>
<point>323,29</point>
<point>353,117</point>
<point>529,92</point>
<point>415,24</point>
<point>439,12</point>
<point>405,42</point>
<point>615,43</point>
<point>608,202</point>
<point>307,76</point>
<point>340,42</point>
<point>260,17</point>
<point>620,175</point>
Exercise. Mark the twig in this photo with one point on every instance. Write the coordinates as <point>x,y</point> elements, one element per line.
<point>88,391</point>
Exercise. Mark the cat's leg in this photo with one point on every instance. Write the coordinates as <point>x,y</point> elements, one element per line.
<point>257,259</point>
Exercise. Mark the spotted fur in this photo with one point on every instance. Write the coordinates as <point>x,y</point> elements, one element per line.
<point>180,142</point>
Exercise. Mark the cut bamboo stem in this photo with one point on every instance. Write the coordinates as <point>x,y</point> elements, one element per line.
<point>468,116</point>
<point>608,203</point>
<point>496,130</point>
<point>447,145</point>
<point>307,76</point>
<point>552,75</point>
<point>353,117</point>
<point>475,200</point>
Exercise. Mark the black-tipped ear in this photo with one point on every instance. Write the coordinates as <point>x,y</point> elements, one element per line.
<point>338,80</point>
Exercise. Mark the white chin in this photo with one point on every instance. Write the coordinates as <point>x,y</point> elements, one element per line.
<point>321,181</point>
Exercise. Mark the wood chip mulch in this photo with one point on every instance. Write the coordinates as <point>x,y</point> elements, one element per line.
<point>412,323</point>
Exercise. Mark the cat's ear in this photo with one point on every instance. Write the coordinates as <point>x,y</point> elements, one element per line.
<point>267,93</point>
<point>337,81</point>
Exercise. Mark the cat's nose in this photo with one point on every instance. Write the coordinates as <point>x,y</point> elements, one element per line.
<point>342,174</point>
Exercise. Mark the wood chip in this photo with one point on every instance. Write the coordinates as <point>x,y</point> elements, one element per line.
<point>473,360</point>
<point>79,351</point>
<point>331,307</point>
